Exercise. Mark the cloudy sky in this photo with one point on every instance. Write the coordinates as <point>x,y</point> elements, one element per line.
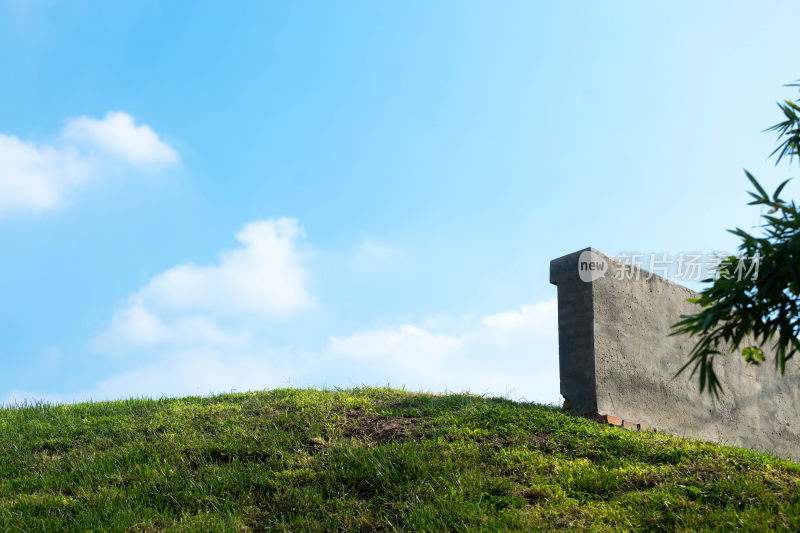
<point>215,196</point>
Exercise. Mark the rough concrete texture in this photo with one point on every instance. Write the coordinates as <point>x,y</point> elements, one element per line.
<point>616,358</point>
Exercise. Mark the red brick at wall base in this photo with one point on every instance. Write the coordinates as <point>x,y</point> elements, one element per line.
<point>612,420</point>
<point>617,421</point>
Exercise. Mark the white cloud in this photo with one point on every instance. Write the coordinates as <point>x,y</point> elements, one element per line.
<point>199,329</point>
<point>263,278</point>
<point>22,397</point>
<point>117,134</point>
<point>194,372</point>
<point>38,177</point>
<point>135,325</point>
<point>539,320</point>
<point>41,177</point>
<point>401,345</point>
<point>514,352</point>
<point>191,372</point>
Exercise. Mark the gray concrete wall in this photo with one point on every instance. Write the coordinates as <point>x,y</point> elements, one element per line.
<point>617,359</point>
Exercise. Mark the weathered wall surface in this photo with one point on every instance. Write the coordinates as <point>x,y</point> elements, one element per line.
<point>616,358</point>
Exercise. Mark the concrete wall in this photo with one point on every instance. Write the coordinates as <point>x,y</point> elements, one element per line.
<point>616,359</point>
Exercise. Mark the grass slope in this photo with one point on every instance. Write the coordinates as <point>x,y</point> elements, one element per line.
<point>369,460</point>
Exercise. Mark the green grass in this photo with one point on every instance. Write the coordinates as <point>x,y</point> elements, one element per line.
<point>370,460</point>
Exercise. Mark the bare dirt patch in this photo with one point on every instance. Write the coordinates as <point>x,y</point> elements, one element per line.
<point>366,426</point>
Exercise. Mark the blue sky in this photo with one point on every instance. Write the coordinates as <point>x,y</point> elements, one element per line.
<point>207,196</point>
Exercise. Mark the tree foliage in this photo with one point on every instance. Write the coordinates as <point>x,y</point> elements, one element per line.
<point>749,312</point>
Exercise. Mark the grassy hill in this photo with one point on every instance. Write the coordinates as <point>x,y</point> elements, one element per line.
<point>369,460</point>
